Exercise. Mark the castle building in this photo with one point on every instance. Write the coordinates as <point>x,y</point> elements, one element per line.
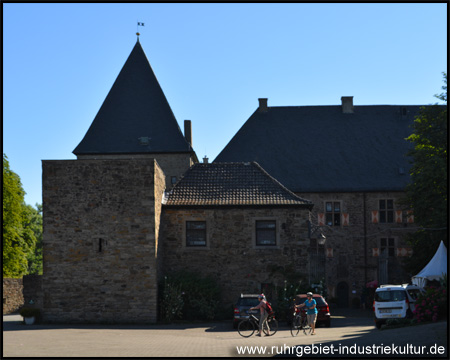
<point>311,189</point>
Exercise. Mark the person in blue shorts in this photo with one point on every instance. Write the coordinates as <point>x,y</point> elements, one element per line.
<point>311,311</point>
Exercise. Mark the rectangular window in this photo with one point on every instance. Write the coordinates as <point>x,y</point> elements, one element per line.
<point>333,213</point>
<point>388,245</point>
<point>195,233</point>
<point>266,233</point>
<point>386,211</point>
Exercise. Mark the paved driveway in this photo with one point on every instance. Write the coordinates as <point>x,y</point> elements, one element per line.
<point>206,340</point>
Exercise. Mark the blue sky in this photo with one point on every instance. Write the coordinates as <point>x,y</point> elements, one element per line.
<point>213,62</point>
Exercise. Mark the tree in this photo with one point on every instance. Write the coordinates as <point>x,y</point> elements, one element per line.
<point>33,223</point>
<point>427,192</point>
<point>21,224</point>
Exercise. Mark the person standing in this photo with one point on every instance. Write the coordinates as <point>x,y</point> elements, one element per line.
<point>264,313</point>
<point>311,311</point>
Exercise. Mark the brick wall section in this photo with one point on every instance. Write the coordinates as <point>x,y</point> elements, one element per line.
<point>99,240</point>
<point>12,295</point>
<point>231,256</point>
<point>351,249</point>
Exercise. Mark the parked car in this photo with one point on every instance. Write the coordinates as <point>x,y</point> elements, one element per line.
<point>323,315</point>
<point>394,302</point>
<point>244,303</point>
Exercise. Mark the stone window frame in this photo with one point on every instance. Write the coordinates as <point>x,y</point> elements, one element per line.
<point>334,215</point>
<point>393,247</point>
<point>277,232</point>
<point>389,214</point>
<point>208,232</point>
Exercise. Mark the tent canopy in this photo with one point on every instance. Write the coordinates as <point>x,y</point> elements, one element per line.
<point>435,269</point>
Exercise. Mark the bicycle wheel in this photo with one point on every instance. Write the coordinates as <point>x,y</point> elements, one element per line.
<point>246,328</point>
<point>296,326</point>
<point>306,328</point>
<point>273,326</point>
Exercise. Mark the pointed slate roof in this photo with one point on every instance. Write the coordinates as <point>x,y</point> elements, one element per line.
<point>231,184</point>
<point>322,149</point>
<point>135,116</point>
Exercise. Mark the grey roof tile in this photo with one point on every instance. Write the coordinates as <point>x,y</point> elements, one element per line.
<point>135,116</point>
<point>231,184</point>
<point>321,149</point>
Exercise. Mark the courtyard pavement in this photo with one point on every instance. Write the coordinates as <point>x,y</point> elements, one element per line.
<point>200,340</point>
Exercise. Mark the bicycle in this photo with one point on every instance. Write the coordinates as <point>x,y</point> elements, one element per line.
<point>300,323</point>
<point>247,327</point>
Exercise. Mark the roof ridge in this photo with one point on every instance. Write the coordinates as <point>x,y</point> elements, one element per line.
<point>231,184</point>
<point>278,183</point>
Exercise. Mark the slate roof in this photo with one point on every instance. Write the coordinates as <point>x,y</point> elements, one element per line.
<point>231,184</point>
<point>135,116</point>
<point>321,149</point>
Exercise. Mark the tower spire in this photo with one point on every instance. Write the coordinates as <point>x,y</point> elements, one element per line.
<point>137,29</point>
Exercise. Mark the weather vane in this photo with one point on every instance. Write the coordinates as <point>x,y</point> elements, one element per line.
<point>137,28</point>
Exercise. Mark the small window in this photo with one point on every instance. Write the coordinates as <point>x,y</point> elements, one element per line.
<point>195,233</point>
<point>333,213</point>
<point>387,211</point>
<point>388,244</point>
<point>173,180</point>
<point>266,233</point>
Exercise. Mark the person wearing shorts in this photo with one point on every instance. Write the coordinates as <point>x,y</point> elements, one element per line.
<point>264,314</point>
<point>311,311</point>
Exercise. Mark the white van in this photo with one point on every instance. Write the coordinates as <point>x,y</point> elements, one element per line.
<point>394,301</point>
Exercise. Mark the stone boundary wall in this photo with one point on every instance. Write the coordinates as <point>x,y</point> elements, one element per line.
<point>12,295</point>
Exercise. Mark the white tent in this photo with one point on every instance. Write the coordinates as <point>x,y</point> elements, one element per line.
<point>435,269</point>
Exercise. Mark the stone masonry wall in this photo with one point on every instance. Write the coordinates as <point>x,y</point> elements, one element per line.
<point>100,240</point>
<point>231,255</point>
<point>172,164</point>
<point>12,295</point>
<point>349,250</point>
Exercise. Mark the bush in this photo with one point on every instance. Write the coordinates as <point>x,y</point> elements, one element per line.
<point>30,312</point>
<point>431,305</point>
<point>190,296</point>
<point>170,301</point>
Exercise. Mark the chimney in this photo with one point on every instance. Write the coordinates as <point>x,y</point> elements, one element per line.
<point>205,160</point>
<point>188,131</point>
<point>263,105</point>
<point>347,104</point>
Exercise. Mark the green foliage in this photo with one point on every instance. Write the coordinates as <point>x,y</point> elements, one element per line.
<point>22,229</point>
<point>14,246</point>
<point>394,323</point>
<point>432,305</point>
<point>29,312</point>
<point>170,301</point>
<point>200,296</point>
<point>294,283</point>
<point>33,224</point>
<point>426,195</point>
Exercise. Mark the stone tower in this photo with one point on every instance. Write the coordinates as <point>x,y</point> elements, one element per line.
<point>136,121</point>
<point>102,211</point>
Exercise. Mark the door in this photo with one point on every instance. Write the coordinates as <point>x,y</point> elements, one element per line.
<point>342,294</point>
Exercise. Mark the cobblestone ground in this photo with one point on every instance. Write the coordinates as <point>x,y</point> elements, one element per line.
<point>198,340</point>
